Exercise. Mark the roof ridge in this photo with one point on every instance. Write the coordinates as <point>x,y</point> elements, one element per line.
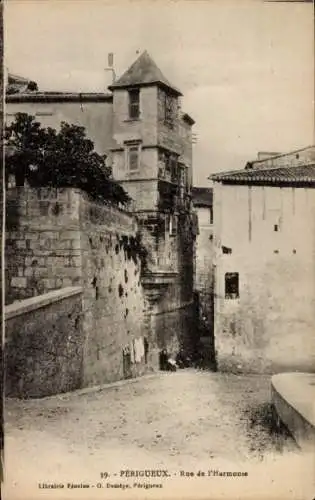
<point>304,173</point>
<point>306,163</point>
<point>282,155</point>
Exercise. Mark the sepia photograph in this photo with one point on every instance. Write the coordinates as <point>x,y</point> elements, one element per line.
<point>158,250</point>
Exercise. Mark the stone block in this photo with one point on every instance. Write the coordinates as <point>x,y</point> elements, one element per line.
<point>20,244</point>
<point>20,272</point>
<point>40,272</point>
<point>32,236</point>
<point>75,244</point>
<point>18,282</point>
<point>34,245</point>
<point>66,282</point>
<point>45,243</point>
<point>28,271</point>
<point>70,235</point>
<point>65,244</point>
<point>49,283</point>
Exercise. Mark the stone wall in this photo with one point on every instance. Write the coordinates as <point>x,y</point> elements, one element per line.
<point>58,238</point>
<point>270,232</point>
<point>173,314</point>
<point>44,344</point>
<point>176,328</point>
<point>42,241</point>
<point>204,280</point>
<point>113,301</point>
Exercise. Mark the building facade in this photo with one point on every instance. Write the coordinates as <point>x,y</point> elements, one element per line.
<point>147,139</point>
<point>264,238</point>
<point>204,276</point>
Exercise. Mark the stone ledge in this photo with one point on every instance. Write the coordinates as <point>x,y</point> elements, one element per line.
<point>25,306</point>
<point>293,398</point>
<point>158,277</point>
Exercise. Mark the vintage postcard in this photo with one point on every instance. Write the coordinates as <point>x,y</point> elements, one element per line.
<point>159,249</point>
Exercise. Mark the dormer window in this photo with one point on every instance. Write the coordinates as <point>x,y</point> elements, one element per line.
<point>134,104</point>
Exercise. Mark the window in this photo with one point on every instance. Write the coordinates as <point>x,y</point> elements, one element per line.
<point>168,166</point>
<point>211,215</point>
<point>174,169</point>
<point>231,286</point>
<point>276,227</point>
<point>182,175</point>
<point>172,226</point>
<point>169,110</point>
<point>133,157</point>
<point>226,250</point>
<point>134,104</point>
<point>168,163</point>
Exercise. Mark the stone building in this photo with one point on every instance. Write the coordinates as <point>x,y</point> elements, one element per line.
<point>203,204</point>
<point>204,272</point>
<point>152,159</point>
<point>147,139</point>
<point>264,238</point>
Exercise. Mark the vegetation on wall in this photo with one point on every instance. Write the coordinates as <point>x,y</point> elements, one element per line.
<point>134,249</point>
<point>44,157</point>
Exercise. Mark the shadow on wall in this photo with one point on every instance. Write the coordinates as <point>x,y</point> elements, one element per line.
<point>44,344</point>
<point>205,348</point>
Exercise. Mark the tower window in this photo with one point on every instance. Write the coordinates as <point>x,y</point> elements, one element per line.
<point>134,104</point>
<point>276,227</point>
<point>231,286</point>
<point>169,164</point>
<point>133,157</point>
<point>170,111</point>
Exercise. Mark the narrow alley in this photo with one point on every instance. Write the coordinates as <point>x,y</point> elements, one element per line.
<point>183,422</point>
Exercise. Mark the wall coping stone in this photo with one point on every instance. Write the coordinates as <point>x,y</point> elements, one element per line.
<point>20,307</point>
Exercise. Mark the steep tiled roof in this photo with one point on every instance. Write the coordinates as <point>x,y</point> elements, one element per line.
<point>202,197</point>
<point>302,175</point>
<point>143,71</point>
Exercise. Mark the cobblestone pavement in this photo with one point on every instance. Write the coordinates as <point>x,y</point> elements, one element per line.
<point>184,421</point>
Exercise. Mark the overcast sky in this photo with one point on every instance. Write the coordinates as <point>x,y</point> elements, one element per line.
<point>245,68</point>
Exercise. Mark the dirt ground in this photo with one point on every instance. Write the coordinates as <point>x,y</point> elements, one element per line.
<point>184,422</point>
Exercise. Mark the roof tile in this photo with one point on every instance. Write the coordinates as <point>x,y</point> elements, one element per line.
<point>290,175</point>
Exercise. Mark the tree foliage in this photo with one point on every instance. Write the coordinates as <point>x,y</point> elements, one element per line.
<point>44,157</point>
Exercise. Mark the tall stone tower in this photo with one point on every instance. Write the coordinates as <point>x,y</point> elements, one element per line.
<point>152,160</point>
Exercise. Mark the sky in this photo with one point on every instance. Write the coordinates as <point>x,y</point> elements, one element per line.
<point>246,68</point>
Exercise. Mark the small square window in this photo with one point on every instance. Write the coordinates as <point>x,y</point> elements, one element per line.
<point>231,286</point>
<point>226,250</point>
